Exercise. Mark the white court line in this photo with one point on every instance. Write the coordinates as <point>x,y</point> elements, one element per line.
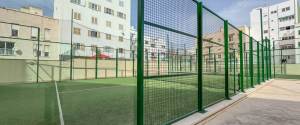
<point>86,90</point>
<point>59,106</point>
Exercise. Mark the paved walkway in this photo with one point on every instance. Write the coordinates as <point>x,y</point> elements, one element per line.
<point>277,103</point>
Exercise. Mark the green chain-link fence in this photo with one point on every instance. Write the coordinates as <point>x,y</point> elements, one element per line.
<point>187,58</point>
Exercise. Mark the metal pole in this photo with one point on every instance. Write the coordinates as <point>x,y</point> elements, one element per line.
<point>38,57</point>
<point>133,62</point>
<point>140,64</point>
<point>158,63</point>
<point>71,49</point>
<point>263,61</point>
<point>199,57</point>
<point>251,62</point>
<point>258,62</point>
<point>97,56</point>
<point>274,63</point>
<point>226,40</point>
<point>241,61</point>
<point>117,63</point>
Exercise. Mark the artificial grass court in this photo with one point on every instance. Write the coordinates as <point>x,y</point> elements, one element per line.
<point>103,101</point>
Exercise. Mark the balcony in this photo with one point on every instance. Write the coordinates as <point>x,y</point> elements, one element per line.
<point>7,52</point>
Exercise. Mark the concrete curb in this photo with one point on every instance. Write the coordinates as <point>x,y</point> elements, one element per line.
<point>215,110</point>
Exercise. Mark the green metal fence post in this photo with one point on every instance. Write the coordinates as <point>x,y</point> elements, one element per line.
<point>38,57</point>
<point>133,62</point>
<point>258,62</point>
<point>281,71</point>
<point>117,63</point>
<point>234,71</point>
<point>226,42</point>
<point>140,64</point>
<point>270,60</point>
<point>168,42</point>
<point>158,63</point>
<point>215,63</point>
<point>263,61</point>
<point>191,63</point>
<point>147,61</point>
<point>71,48</point>
<point>199,56</point>
<point>274,63</point>
<point>96,65</point>
<point>241,61</point>
<point>251,62</point>
<point>267,59</point>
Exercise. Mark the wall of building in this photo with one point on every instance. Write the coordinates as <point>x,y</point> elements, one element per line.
<point>24,43</point>
<point>63,12</point>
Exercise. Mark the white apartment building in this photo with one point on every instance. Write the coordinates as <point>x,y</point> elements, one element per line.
<point>102,23</point>
<point>152,45</point>
<point>279,25</point>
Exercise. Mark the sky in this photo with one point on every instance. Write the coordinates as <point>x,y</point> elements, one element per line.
<point>236,11</point>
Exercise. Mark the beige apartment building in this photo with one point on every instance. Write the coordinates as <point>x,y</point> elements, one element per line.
<point>19,34</point>
<point>214,41</point>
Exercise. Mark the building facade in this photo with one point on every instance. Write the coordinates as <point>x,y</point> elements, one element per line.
<point>104,23</point>
<point>279,23</point>
<point>19,35</point>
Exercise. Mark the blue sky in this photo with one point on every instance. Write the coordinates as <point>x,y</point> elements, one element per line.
<point>236,11</point>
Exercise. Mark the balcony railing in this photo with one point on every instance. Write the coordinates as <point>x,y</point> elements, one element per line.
<point>7,52</point>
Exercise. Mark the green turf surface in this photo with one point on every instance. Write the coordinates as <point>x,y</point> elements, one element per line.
<point>103,101</point>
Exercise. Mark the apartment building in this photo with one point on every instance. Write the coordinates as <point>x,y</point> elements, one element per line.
<point>279,22</point>
<point>19,34</point>
<point>214,41</point>
<point>102,23</point>
<point>152,45</point>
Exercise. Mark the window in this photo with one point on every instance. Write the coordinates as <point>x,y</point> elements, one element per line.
<point>121,50</point>
<point>76,1</point>
<point>266,31</point>
<point>15,30</point>
<point>121,39</point>
<point>46,50</point>
<point>121,27</point>
<point>94,34</point>
<point>6,48</point>
<point>108,24</point>
<point>286,18</point>
<point>108,11</point>
<point>94,6</point>
<point>146,42</point>
<point>273,12</point>
<point>231,37</point>
<point>77,16</point>
<point>121,15</point>
<point>34,33</point>
<point>162,46</point>
<point>283,10</point>
<point>108,36</point>
<point>152,45</point>
<point>121,3</point>
<point>94,20</point>
<point>76,31</point>
<point>287,8</point>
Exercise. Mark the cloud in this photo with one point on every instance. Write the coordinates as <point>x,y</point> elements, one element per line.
<point>239,12</point>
